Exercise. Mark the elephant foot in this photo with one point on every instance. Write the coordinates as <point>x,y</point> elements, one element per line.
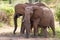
<point>35,36</point>
<point>27,36</point>
<point>45,36</point>
<point>22,35</point>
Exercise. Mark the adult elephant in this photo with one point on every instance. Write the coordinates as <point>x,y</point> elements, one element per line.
<point>46,20</point>
<point>20,11</point>
<point>43,17</point>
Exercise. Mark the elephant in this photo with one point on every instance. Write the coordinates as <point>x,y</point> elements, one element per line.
<point>27,23</point>
<point>31,9</point>
<point>47,20</point>
<point>43,17</point>
<point>19,11</point>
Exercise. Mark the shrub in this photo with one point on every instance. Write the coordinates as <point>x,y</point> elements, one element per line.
<point>9,12</point>
<point>58,12</point>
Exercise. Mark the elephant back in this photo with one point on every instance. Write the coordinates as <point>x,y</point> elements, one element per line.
<point>19,8</point>
<point>47,16</point>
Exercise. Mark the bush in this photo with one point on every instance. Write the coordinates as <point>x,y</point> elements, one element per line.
<point>9,12</point>
<point>58,12</point>
<point>8,9</point>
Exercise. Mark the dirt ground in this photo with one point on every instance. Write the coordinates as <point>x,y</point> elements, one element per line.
<point>6,33</point>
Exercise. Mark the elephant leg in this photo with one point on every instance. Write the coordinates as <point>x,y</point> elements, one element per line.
<point>53,29</point>
<point>52,25</point>
<point>44,32</point>
<point>27,26</point>
<point>31,26</point>
<point>22,28</point>
<point>35,25</point>
<point>15,23</point>
<point>27,32</point>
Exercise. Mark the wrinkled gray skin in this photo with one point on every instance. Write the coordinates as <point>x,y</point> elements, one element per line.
<point>42,17</point>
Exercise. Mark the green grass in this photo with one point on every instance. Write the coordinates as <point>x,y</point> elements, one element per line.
<point>19,21</point>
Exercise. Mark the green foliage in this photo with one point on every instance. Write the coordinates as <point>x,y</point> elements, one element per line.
<point>9,12</point>
<point>1,24</point>
<point>50,2</point>
<point>5,0</point>
<point>46,1</point>
<point>30,1</point>
<point>57,11</point>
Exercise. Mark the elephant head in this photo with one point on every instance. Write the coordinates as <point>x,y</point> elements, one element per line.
<point>27,16</point>
<point>30,13</point>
